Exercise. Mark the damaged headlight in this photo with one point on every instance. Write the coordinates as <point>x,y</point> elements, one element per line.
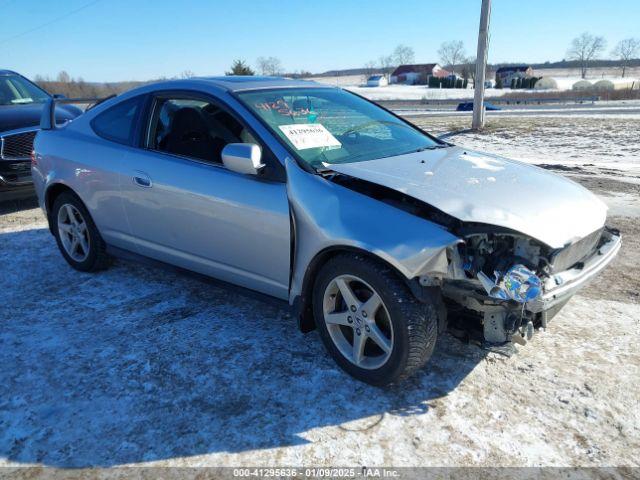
<point>518,283</point>
<point>515,261</point>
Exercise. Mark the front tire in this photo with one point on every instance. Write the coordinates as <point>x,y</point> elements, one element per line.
<point>370,322</point>
<point>76,235</point>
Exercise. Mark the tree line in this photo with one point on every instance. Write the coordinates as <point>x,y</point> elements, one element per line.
<point>64,84</point>
<point>586,48</point>
<point>584,51</point>
<point>265,66</point>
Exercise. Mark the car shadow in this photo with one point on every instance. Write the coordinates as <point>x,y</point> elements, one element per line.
<point>137,364</point>
<point>8,206</point>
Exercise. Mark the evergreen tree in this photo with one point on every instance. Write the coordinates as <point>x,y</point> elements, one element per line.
<point>239,67</point>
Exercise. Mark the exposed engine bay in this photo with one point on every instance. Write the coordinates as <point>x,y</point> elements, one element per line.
<point>489,252</point>
<point>495,274</point>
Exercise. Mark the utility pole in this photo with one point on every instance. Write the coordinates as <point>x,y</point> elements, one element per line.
<point>481,66</point>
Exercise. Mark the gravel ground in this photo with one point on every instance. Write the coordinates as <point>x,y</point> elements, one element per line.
<point>139,365</point>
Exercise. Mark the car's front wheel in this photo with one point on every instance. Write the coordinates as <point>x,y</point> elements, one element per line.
<point>77,236</point>
<point>370,322</point>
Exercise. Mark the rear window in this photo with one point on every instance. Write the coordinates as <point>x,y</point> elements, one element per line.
<point>118,122</point>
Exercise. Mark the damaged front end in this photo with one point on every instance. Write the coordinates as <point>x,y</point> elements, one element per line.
<point>521,254</point>
<point>512,284</point>
<point>491,284</point>
<point>498,285</point>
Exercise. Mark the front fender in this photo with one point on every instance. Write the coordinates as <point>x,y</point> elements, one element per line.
<point>327,215</point>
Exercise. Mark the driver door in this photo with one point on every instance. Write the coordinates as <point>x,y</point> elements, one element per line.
<point>185,208</point>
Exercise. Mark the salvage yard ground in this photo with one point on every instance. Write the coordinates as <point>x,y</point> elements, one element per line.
<point>138,365</point>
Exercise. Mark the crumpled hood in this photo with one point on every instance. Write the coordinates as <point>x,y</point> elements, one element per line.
<point>484,188</point>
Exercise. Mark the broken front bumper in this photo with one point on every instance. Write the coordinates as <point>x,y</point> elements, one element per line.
<point>502,319</point>
<point>561,286</point>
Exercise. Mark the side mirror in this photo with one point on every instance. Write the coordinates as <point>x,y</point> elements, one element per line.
<point>243,158</point>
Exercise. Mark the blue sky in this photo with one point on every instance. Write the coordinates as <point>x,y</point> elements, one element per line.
<point>111,40</point>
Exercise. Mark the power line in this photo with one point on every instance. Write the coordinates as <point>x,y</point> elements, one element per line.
<point>50,22</point>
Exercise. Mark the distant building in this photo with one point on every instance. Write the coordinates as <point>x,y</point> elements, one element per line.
<point>419,73</point>
<point>504,75</point>
<point>377,81</point>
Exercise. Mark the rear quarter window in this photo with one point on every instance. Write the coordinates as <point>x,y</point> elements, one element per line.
<point>118,123</point>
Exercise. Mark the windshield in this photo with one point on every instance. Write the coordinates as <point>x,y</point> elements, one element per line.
<point>15,90</point>
<point>327,125</point>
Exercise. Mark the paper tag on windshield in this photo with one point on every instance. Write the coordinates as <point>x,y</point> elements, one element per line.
<point>309,135</point>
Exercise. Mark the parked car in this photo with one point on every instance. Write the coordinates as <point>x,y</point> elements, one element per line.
<point>369,227</point>
<point>21,103</point>
<point>468,107</point>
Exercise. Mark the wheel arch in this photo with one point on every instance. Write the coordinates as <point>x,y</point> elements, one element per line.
<point>303,303</point>
<point>52,192</point>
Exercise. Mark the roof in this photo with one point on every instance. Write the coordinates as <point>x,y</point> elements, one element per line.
<point>231,83</point>
<point>514,68</point>
<point>236,83</point>
<point>426,68</point>
<point>7,72</point>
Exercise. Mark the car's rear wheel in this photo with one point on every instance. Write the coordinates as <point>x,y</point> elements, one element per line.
<point>370,322</point>
<point>77,236</point>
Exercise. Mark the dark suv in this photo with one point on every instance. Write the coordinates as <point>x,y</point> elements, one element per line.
<point>21,103</point>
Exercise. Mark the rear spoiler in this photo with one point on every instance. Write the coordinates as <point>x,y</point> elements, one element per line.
<point>48,116</point>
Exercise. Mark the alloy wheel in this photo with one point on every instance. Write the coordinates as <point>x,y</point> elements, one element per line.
<point>73,232</point>
<point>358,321</point>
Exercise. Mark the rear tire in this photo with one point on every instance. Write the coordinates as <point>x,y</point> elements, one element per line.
<point>409,327</point>
<point>76,235</point>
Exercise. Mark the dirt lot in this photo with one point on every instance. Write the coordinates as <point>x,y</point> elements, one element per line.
<point>138,365</point>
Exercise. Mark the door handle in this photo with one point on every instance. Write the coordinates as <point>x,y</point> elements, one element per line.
<point>142,180</point>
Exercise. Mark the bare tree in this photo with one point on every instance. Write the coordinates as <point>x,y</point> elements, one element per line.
<point>625,51</point>
<point>187,74</point>
<point>403,55</point>
<point>63,77</point>
<point>452,54</point>
<point>386,64</point>
<point>270,66</point>
<point>468,68</point>
<point>584,49</point>
<point>369,69</point>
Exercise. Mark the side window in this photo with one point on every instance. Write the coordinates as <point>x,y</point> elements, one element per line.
<point>118,122</point>
<point>194,128</point>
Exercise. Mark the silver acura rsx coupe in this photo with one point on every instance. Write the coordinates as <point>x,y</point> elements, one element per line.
<point>377,233</point>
